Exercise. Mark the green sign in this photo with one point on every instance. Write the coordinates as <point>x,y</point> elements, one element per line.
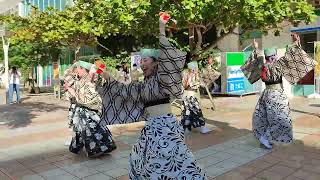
<point>235,59</point>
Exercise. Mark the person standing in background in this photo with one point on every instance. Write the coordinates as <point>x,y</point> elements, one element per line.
<point>14,84</point>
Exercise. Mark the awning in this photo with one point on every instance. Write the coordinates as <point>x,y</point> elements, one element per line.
<point>305,29</point>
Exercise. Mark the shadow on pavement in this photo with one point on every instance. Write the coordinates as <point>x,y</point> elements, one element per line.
<point>308,113</point>
<point>20,115</point>
<point>60,159</point>
<point>298,154</point>
<point>222,132</point>
<point>315,105</point>
<point>52,163</point>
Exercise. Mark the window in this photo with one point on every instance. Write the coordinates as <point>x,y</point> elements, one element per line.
<point>40,5</point>
<point>45,4</point>
<point>57,4</point>
<point>307,41</point>
<point>27,6</point>
<point>63,4</point>
<point>51,3</point>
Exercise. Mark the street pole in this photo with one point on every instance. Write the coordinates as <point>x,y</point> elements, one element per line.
<point>6,44</point>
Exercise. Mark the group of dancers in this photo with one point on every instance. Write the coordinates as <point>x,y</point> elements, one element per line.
<point>160,152</point>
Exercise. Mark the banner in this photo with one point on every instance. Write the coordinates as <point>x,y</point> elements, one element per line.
<point>317,67</point>
<point>136,71</point>
<point>55,71</point>
<point>135,61</point>
<point>56,79</point>
<point>317,58</point>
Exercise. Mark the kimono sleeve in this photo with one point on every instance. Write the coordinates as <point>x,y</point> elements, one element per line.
<point>171,63</point>
<point>88,96</point>
<point>295,64</point>
<point>271,72</point>
<point>209,76</point>
<point>252,69</point>
<point>121,102</point>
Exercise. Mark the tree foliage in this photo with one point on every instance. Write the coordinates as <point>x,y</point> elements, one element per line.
<point>129,24</point>
<point>197,19</point>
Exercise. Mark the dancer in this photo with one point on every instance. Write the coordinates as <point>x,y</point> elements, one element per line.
<point>70,76</point>
<point>209,75</point>
<point>271,119</point>
<point>85,115</point>
<point>160,152</point>
<point>191,111</point>
<point>208,78</point>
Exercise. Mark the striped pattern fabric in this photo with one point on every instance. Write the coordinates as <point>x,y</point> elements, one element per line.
<point>124,103</point>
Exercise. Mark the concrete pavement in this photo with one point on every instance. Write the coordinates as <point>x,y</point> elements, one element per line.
<point>32,136</point>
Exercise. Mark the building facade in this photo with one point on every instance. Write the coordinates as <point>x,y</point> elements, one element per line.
<point>43,5</point>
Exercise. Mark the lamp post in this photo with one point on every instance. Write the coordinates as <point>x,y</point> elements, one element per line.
<point>5,42</point>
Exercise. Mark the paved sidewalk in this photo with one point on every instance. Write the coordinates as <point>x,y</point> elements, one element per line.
<point>32,136</point>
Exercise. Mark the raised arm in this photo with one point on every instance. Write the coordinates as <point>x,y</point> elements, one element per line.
<point>171,63</point>
<point>296,63</point>
<point>252,69</point>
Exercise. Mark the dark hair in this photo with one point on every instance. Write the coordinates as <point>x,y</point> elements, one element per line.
<point>125,69</point>
<point>154,59</point>
<point>14,69</point>
<point>188,59</point>
<point>271,59</point>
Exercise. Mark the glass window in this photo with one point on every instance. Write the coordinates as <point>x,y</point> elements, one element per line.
<point>63,4</point>
<point>45,4</point>
<point>51,3</point>
<point>40,5</point>
<point>57,4</point>
<point>27,7</point>
<point>307,40</point>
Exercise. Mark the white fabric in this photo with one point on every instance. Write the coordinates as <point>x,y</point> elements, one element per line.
<point>15,78</point>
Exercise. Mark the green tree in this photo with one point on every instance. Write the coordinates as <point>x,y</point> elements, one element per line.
<point>201,23</point>
<point>198,20</point>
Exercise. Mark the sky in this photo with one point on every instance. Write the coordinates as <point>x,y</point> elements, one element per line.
<point>7,4</point>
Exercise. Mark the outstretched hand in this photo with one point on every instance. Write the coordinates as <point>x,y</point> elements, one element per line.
<point>163,20</point>
<point>164,17</point>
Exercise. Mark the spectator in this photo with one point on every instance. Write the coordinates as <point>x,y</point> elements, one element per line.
<point>14,84</point>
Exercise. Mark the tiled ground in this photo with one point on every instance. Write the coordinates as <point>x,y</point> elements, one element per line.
<point>32,137</point>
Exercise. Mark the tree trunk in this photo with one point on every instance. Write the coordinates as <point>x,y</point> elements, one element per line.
<point>191,38</point>
<point>199,39</point>
<point>77,53</point>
